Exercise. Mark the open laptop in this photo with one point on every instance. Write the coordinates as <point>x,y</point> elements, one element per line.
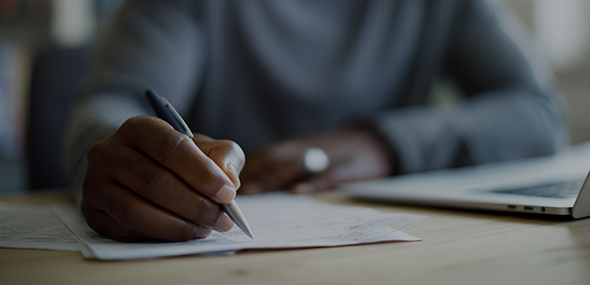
<point>551,185</point>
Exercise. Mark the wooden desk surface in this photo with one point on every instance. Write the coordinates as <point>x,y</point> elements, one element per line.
<point>458,247</point>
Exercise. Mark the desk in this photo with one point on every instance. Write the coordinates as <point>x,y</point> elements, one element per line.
<point>459,247</point>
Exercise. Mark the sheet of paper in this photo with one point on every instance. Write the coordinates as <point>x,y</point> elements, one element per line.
<point>34,227</point>
<point>278,220</point>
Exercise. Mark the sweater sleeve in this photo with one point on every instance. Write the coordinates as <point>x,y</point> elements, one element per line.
<point>154,44</point>
<point>510,107</point>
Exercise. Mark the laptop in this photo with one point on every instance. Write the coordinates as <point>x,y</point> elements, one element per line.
<point>549,185</point>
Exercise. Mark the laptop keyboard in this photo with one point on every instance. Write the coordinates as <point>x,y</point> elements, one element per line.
<point>565,189</point>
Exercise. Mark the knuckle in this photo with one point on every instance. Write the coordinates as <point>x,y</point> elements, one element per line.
<point>131,123</point>
<point>158,184</point>
<point>129,126</point>
<point>228,147</point>
<point>169,148</point>
<point>96,152</point>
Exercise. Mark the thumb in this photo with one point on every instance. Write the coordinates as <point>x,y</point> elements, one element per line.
<point>227,154</point>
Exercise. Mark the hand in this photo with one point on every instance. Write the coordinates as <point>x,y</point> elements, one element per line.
<point>354,154</point>
<point>148,181</point>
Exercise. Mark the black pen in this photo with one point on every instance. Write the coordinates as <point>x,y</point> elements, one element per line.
<point>166,112</point>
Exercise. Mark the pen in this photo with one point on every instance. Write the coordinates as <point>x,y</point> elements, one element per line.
<point>166,112</point>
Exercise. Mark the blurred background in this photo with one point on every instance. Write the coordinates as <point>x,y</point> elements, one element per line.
<point>45,48</point>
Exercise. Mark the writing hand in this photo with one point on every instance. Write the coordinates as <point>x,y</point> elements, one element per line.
<point>148,181</point>
<point>354,154</point>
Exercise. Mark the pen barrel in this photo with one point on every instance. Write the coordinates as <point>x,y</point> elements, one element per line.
<point>166,112</point>
<point>161,110</point>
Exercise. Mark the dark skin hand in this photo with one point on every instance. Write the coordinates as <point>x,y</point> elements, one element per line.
<point>354,154</point>
<point>150,182</point>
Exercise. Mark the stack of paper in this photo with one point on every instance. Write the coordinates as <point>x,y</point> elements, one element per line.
<point>34,227</point>
<point>278,220</point>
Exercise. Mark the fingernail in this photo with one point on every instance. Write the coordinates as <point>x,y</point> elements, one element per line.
<point>226,194</point>
<point>202,232</point>
<point>223,224</point>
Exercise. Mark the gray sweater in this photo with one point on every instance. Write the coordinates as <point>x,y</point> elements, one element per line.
<point>258,71</point>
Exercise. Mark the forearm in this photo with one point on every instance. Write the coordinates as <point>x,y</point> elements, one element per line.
<point>496,126</point>
<point>510,106</point>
